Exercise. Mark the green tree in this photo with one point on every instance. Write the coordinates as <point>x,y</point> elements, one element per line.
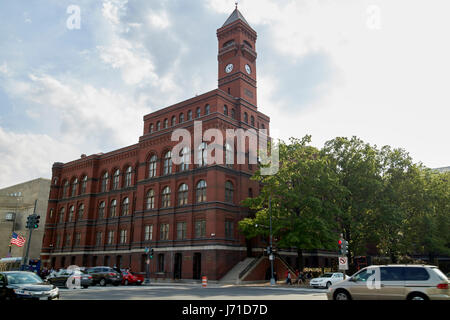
<point>305,197</point>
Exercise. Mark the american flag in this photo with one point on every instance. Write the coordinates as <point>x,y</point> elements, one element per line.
<point>17,240</point>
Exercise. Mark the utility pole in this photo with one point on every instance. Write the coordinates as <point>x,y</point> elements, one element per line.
<point>271,256</point>
<point>25,258</point>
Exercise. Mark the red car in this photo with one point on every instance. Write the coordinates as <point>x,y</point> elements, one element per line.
<point>129,278</point>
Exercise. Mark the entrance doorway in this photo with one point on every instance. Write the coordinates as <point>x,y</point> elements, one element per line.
<point>197,272</point>
<point>177,266</point>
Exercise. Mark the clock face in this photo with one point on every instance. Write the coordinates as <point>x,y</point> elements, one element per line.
<point>248,69</point>
<point>229,68</point>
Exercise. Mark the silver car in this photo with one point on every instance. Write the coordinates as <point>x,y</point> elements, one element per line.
<point>393,282</point>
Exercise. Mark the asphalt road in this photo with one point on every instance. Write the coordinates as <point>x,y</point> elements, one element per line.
<point>192,292</point>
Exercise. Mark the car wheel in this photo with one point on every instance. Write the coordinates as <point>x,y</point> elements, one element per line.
<point>342,295</point>
<point>125,283</point>
<point>115,284</point>
<point>102,282</point>
<point>328,284</point>
<point>417,296</point>
<point>85,287</point>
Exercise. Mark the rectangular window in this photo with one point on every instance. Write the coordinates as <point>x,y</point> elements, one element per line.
<point>67,240</point>
<point>123,236</point>
<point>58,241</point>
<point>229,231</point>
<point>200,228</point>
<point>110,237</point>
<point>181,230</point>
<point>98,239</point>
<point>148,232</point>
<point>164,234</point>
<point>77,238</point>
<point>161,262</point>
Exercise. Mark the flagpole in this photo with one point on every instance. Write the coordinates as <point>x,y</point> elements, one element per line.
<point>25,258</point>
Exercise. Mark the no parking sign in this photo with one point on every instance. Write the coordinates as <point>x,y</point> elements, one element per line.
<point>343,263</point>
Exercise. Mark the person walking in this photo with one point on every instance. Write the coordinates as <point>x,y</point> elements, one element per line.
<point>288,277</point>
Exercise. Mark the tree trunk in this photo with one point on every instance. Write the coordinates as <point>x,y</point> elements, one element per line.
<point>300,264</point>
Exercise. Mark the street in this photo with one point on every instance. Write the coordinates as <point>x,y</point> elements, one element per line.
<point>192,292</point>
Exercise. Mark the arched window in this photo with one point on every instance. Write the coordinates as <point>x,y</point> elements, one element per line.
<point>101,210</point>
<point>152,166</point>
<point>207,109</point>
<point>83,185</point>
<point>182,118</point>
<point>105,180</point>
<point>150,201</point>
<point>128,177</point>
<point>116,178</point>
<point>185,155</point>
<point>248,43</point>
<point>80,212</point>
<point>112,209</point>
<point>61,215</point>
<point>158,126</point>
<point>201,191</point>
<point>173,122</point>
<point>74,187</point>
<point>125,207</point>
<point>71,213</point>
<point>168,163</point>
<point>189,115</point>
<point>225,110</point>
<point>233,113</point>
<point>202,154</point>
<point>228,43</point>
<point>252,120</point>
<point>229,155</point>
<point>229,192</point>
<point>183,195</point>
<point>166,123</point>
<point>263,126</point>
<point>166,197</point>
<point>66,189</point>
<point>198,114</point>
<point>151,128</point>
<point>245,117</point>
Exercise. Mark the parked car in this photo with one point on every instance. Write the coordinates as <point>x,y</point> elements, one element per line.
<point>129,278</point>
<point>25,285</point>
<point>61,277</point>
<point>326,280</point>
<point>393,282</point>
<point>104,276</point>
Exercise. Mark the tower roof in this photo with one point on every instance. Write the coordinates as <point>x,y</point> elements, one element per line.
<point>236,15</point>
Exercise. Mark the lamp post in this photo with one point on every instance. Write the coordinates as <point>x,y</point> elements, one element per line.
<point>271,257</point>
<point>16,196</point>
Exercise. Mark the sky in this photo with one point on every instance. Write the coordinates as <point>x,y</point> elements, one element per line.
<point>376,69</point>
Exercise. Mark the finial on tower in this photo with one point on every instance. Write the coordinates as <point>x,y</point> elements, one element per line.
<point>236,3</point>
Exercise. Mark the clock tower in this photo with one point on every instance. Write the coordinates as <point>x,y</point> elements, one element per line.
<point>237,58</point>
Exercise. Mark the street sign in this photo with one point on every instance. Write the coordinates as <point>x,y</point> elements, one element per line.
<point>343,263</point>
<point>271,257</point>
<point>147,249</point>
<point>148,261</point>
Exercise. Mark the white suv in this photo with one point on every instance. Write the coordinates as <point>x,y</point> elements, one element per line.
<point>326,280</point>
<point>393,282</point>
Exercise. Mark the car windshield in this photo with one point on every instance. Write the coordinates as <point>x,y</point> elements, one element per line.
<point>22,278</point>
<point>326,275</point>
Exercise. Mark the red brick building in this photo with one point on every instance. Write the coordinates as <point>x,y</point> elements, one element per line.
<point>105,209</point>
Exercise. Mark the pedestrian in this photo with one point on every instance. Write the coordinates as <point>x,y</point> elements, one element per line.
<point>288,278</point>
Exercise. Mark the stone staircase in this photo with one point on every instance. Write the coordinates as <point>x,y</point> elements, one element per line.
<point>233,276</point>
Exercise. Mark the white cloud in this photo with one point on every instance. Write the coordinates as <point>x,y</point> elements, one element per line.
<point>4,68</point>
<point>159,19</point>
<point>30,156</point>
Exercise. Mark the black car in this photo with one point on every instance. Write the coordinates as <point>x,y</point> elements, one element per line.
<point>79,278</point>
<point>104,276</point>
<point>25,285</point>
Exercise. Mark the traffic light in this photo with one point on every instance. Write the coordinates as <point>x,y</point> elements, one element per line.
<point>30,222</point>
<point>341,246</point>
<point>345,247</point>
<point>151,253</point>
<point>36,222</point>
